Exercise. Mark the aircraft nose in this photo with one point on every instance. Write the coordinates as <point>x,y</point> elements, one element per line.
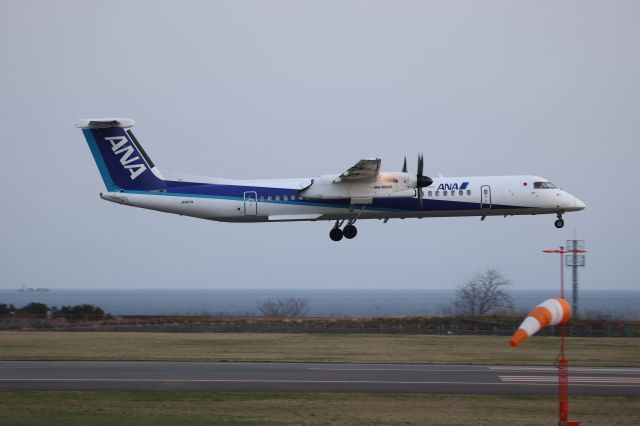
<point>579,205</point>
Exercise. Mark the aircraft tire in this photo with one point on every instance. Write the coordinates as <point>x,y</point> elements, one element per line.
<point>350,231</point>
<point>559,223</point>
<point>336,234</point>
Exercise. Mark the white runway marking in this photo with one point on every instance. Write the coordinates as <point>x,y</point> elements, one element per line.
<point>549,382</point>
<point>573,379</point>
<point>393,369</point>
<point>581,369</point>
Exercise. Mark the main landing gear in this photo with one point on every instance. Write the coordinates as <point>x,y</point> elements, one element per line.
<point>350,231</point>
<point>560,222</point>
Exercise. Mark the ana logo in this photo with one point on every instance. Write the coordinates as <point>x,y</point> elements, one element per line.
<point>120,146</point>
<point>452,186</point>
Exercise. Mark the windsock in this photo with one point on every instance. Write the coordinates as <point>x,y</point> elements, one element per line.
<point>550,312</point>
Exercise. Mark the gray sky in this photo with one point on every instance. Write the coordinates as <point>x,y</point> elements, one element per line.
<point>253,89</point>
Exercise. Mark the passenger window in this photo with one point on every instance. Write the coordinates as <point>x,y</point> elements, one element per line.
<point>437,193</point>
<point>453,193</point>
<point>286,198</point>
<point>430,193</point>
<point>461,192</point>
<point>293,198</point>
<point>468,192</point>
<point>261,198</point>
<point>486,191</point>
<point>444,192</point>
<point>269,198</point>
<point>277,198</point>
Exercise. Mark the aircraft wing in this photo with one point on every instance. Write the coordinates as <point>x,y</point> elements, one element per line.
<point>364,169</point>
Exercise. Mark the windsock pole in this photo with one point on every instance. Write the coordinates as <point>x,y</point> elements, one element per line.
<point>563,363</point>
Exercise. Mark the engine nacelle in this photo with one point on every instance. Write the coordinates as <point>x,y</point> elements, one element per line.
<point>385,185</point>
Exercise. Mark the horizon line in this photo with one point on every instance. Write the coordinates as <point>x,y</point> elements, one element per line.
<point>303,289</point>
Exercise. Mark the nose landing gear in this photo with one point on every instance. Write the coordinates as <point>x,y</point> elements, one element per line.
<point>560,222</point>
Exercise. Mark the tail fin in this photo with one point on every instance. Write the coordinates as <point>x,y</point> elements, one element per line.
<point>121,160</point>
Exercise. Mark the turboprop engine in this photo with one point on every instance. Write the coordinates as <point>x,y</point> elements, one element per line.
<point>385,185</point>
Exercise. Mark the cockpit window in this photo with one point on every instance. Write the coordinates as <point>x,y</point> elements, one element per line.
<point>543,185</point>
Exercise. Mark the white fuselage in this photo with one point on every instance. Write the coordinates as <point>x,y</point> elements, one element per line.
<point>390,196</point>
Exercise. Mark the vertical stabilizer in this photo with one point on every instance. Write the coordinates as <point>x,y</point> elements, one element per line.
<point>123,163</point>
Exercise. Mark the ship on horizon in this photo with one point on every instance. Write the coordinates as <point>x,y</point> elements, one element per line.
<point>25,289</point>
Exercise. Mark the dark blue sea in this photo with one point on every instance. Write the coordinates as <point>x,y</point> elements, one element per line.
<point>619,304</point>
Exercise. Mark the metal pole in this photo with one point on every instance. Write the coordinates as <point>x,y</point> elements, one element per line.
<point>577,261</point>
<point>575,281</point>
<point>562,272</point>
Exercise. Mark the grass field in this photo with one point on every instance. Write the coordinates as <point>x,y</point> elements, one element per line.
<point>597,351</point>
<point>52,408</point>
<point>40,408</point>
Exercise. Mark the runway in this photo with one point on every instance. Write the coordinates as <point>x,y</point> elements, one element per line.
<point>302,377</point>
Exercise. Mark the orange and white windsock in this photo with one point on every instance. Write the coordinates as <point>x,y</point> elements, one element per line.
<point>550,312</point>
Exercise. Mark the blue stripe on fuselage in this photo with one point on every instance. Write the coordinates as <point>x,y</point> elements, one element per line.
<point>236,192</point>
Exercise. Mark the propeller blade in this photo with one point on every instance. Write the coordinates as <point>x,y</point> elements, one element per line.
<point>404,167</point>
<point>422,180</point>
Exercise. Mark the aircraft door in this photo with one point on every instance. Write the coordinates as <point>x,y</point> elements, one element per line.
<point>250,203</point>
<point>485,197</point>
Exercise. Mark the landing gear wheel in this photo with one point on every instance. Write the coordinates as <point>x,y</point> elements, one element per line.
<point>336,234</point>
<point>559,223</point>
<point>350,231</point>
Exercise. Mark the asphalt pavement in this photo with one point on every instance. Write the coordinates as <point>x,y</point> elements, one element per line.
<point>303,377</point>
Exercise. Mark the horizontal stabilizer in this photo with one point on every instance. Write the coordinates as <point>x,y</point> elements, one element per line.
<point>104,123</point>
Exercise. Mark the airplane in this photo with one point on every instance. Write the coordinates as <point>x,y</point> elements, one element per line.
<point>363,191</point>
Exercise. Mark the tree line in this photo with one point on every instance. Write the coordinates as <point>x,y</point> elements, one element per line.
<point>84,312</point>
<point>483,295</point>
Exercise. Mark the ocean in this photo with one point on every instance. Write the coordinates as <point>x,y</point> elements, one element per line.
<point>617,303</point>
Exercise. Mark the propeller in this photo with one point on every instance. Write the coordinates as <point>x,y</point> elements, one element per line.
<point>422,180</point>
